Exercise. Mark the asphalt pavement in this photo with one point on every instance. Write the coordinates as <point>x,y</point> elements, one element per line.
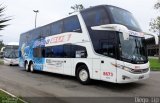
<point>45,87</point>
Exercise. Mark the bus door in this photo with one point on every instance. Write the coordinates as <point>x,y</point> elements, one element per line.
<point>108,62</point>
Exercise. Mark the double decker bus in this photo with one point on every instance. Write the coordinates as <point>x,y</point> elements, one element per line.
<point>11,53</point>
<point>102,43</point>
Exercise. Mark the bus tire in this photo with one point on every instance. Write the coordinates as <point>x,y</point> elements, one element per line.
<point>31,68</point>
<point>83,75</point>
<point>26,66</point>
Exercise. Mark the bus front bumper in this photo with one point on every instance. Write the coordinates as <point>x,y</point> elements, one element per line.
<point>127,77</point>
<point>11,61</point>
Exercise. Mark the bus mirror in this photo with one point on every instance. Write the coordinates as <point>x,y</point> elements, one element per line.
<point>114,27</point>
<point>155,37</point>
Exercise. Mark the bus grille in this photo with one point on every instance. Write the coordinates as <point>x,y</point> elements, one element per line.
<point>139,71</point>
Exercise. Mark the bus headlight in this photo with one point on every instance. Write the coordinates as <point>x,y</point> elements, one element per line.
<point>124,68</point>
<point>127,69</point>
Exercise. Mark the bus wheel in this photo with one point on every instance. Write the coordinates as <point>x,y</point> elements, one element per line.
<point>31,67</point>
<point>26,66</point>
<point>83,75</point>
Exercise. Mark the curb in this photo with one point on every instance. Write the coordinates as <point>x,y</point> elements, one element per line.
<point>12,95</point>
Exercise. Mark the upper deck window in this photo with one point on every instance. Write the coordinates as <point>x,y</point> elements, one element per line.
<point>121,16</point>
<point>56,28</point>
<point>95,17</point>
<point>71,24</point>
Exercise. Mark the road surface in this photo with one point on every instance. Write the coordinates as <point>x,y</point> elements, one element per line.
<point>42,86</point>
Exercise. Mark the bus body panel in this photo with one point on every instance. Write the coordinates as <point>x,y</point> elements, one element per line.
<point>142,72</point>
<point>130,76</point>
<point>108,71</point>
<point>96,66</point>
<point>55,65</point>
<point>100,65</point>
<point>68,66</point>
<point>8,61</point>
<point>87,62</point>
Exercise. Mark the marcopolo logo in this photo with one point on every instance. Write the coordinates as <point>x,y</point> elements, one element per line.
<point>136,33</point>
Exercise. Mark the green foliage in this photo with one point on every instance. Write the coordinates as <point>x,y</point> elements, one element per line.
<point>1,44</point>
<point>2,18</point>
<point>154,64</point>
<point>1,63</point>
<point>157,5</point>
<point>5,98</point>
<point>155,25</point>
<point>77,7</point>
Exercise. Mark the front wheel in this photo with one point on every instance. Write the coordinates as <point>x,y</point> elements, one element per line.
<point>83,75</point>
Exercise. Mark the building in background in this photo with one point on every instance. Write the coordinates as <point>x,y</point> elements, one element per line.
<point>153,50</point>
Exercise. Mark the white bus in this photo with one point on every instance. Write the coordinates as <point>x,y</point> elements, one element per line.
<point>102,43</point>
<point>11,53</point>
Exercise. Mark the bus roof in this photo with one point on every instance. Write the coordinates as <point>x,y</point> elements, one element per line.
<point>13,43</point>
<point>93,7</point>
<point>71,14</point>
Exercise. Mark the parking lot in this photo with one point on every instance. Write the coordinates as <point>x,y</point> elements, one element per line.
<point>40,84</point>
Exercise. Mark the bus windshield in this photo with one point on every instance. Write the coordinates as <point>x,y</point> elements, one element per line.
<point>133,50</point>
<point>124,17</point>
<point>11,52</point>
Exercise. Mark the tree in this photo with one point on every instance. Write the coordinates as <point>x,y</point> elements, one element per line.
<point>157,5</point>
<point>1,44</point>
<point>77,7</point>
<point>2,18</point>
<point>155,24</point>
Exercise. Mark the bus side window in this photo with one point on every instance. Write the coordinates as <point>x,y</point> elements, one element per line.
<point>71,24</point>
<point>67,51</point>
<point>95,17</point>
<point>49,52</point>
<point>43,52</point>
<point>20,54</point>
<point>45,31</point>
<point>37,52</point>
<point>108,45</point>
<point>56,28</point>
<point>78,51</point>
<point>58,51</point>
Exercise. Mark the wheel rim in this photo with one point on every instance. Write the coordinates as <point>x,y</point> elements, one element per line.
<point>31,67</point>
<point>26,66</point>
<point>83,75</point>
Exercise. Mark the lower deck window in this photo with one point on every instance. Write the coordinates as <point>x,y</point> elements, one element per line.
<point>61,51</point>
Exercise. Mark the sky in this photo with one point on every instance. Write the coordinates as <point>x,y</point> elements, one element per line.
<point>21,12</point>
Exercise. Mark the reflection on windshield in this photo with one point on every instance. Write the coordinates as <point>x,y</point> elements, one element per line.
<point>124,17</point>
<point>11,53</point>
<point>134,49</point>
